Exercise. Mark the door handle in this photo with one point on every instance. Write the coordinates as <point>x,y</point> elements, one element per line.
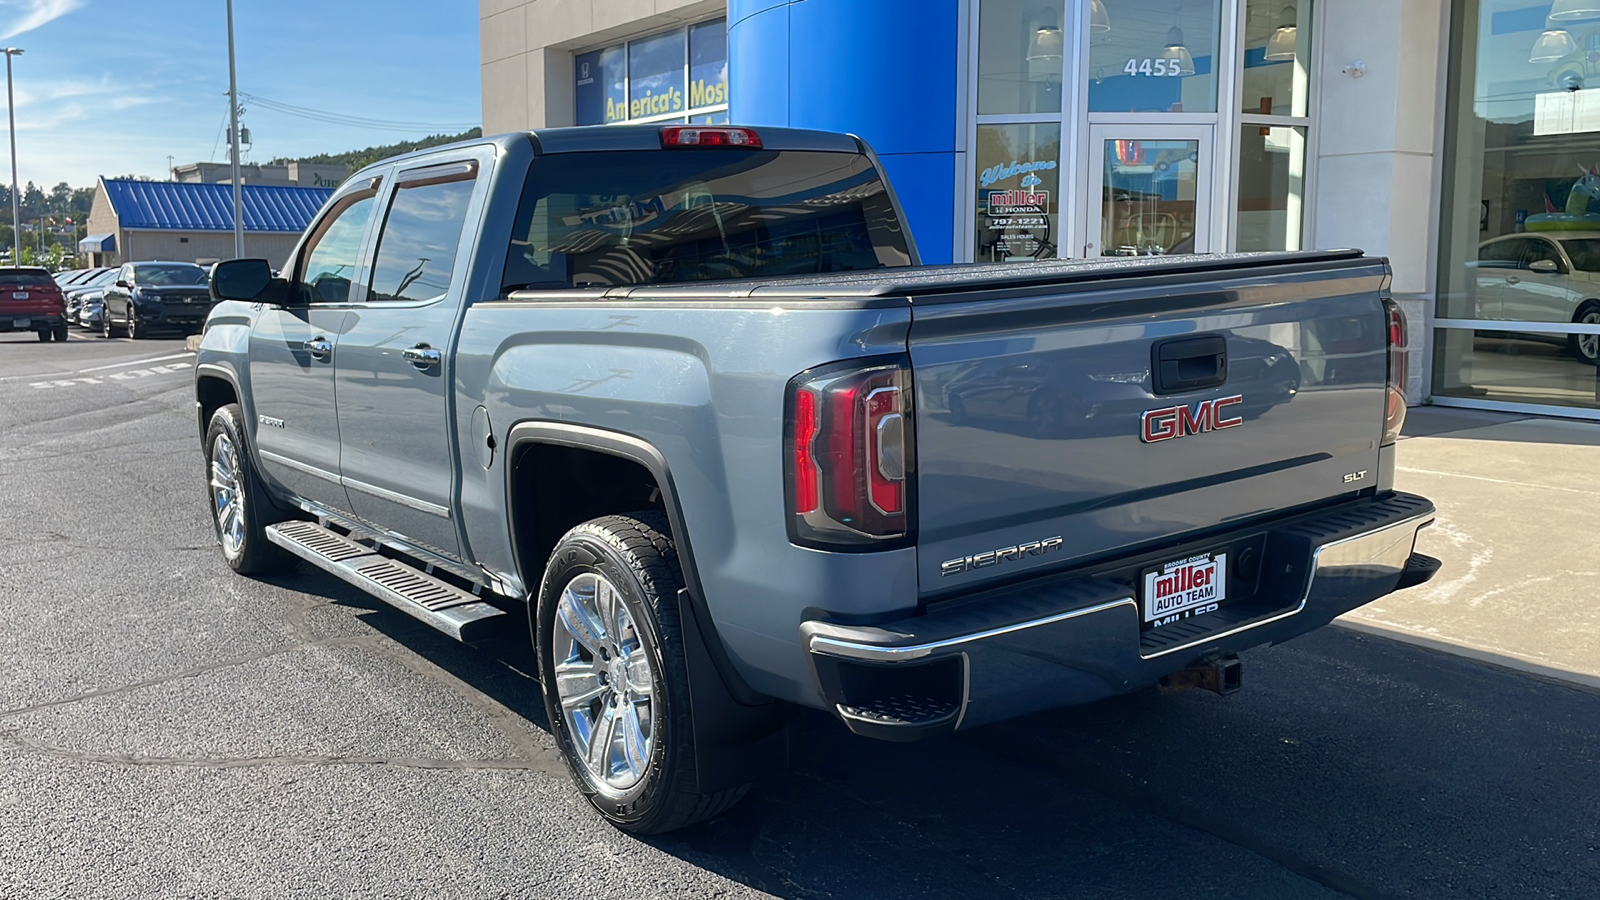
<point>320,347</point>
<point>422,356</point>
<point>1512,279</point>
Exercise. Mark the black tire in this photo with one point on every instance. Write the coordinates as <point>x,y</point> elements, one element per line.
<point>132,328</point>
<point>61,333</point>
<point>636,555</point>
<point>107,330</point>
<point>253,554</point>
<point>1587,351</point>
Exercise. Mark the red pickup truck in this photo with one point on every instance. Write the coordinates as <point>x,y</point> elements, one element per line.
<point>30,300</point>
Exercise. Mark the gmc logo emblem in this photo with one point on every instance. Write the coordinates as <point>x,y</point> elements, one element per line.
<point>1176,421</point>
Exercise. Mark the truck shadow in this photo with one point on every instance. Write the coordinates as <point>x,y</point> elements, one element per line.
<point>1351,765</point>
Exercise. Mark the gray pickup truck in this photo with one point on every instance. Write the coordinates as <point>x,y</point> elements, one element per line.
<point>684,398</point>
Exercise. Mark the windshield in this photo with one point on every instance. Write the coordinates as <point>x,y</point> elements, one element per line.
<point>25,278</point>
<point>100,279</point>
<point>648,217</point>
<point>1585,253</point>
<point>169,276</point>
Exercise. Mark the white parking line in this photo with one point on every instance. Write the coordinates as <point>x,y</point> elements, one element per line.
<point>121,365</point>
<point>128,375</point>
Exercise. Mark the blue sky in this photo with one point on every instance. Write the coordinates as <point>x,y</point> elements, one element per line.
<point>113,87</point>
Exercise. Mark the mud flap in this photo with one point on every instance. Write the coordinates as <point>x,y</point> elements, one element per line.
<point>734,743</point>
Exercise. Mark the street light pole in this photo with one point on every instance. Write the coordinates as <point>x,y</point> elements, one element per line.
<point>11,113</point>
<point>233,143</point>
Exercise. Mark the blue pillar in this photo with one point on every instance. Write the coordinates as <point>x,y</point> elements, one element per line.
<point>886,70</point>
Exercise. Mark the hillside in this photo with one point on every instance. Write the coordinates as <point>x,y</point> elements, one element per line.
<point>355,159</point>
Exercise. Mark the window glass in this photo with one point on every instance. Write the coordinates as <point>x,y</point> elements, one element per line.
<point>1272,184</point>
<point>601,80</point>
<point>1154,57</point>
<point>631,217</point>
<point>708,66</point>
<point>170,275</point>
<point>331,261</point>
<point>1521,171</point>
<point>1150,197</point>
<point>1020,55</point>
<point>417,249</point>
<point>25,277</point>
<point>1018,196</point>
<point>655,75</point>
<point>1277,56</point>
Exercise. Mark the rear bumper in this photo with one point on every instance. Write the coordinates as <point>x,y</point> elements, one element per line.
<point>36,321</point>
<point>1076,637</point>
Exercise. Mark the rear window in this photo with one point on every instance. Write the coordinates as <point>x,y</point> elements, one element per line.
<point>652,217</point>
<point>26,278</point>
<point>169,276</point>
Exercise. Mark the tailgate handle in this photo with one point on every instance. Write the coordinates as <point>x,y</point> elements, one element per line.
<point>1189,363</point>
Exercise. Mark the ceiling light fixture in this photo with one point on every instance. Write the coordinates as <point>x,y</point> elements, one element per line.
<point>1282,44</point>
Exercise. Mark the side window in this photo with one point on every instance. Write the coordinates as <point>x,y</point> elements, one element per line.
<point>125,275</point>
<point>417,249</point>
<point>329,261</point>
<point>1506,254</point>
<point>1541,249</point>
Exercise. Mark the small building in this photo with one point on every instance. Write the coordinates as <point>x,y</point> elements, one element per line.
<point>193,221</point>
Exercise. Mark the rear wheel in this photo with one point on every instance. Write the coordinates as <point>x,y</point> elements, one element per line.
<point>132,328</point>
<point>45,336</point>
<point>1586,346</point>
<point>616,683</point>
<point>61,333</point>
<point>240,510</point>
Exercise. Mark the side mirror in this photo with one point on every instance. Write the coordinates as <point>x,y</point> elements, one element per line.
<point>121,283</point>
<point>1548,266</point>
<point>241,279</point>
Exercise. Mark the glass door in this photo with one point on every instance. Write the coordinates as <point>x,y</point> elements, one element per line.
<point>1152,187</point>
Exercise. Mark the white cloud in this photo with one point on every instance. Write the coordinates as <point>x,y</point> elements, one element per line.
<point>26,15</point>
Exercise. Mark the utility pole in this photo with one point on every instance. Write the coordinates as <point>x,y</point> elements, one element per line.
<point>233,143</point>
<point>11,112</point>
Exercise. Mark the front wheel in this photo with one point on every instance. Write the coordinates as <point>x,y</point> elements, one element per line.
<point>616,684</point>
<point>106,329</point>
<point>1586,347</point>
<point>240,510</point>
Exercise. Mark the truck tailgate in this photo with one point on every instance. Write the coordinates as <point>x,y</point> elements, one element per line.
<point>1073,422</point>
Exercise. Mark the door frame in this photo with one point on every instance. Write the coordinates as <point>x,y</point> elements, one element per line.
<point>1090,211</point>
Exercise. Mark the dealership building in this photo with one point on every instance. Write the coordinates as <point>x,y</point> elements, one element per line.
<point>1459,138</point>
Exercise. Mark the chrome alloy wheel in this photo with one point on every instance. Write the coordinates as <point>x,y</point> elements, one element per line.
<point>1589,344</point>
<point>227,495</point>
<point>604,681</point>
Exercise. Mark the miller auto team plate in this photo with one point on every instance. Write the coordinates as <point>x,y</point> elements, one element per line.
<point>1185,588</point>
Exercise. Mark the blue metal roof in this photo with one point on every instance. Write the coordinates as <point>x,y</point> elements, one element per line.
<point>184,206</point>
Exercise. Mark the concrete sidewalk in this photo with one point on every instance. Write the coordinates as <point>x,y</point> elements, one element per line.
<point>1519,534</point>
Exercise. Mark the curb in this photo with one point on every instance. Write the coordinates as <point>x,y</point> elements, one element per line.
<point>1487,657</point>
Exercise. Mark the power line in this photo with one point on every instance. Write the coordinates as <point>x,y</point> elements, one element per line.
<point>353,121</point>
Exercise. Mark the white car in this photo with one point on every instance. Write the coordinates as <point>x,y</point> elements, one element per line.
<point>1544,277</point>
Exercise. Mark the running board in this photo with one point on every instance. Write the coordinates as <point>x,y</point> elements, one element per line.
<point>443,606</point>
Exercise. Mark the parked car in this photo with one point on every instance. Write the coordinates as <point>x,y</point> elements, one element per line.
<point>67,275</point>
<point>150,297</point>
<point>93,286</point>
<point>671,397</point>
<point>1552,277</point>
<point>30,300</point>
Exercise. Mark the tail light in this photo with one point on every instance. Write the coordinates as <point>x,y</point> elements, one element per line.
<point>707,136</point>
<point>1394,415</point>
<point>848,457</point>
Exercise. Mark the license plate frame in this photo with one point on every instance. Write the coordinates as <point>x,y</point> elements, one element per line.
<point>1181,589</point>
<point>20,324</point>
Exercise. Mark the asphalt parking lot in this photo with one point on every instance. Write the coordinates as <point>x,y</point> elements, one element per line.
<point>170,729</point>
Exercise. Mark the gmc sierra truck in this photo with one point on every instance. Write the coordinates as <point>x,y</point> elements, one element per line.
<point>683,397</point>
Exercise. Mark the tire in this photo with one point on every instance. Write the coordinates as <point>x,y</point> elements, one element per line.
<point>106,328</point>
<point>629,634</point>
<point>240,511</point>
<point>45,336</point>
<point>132,328</point>
<point>61,333</point>
<point>1586,347</point>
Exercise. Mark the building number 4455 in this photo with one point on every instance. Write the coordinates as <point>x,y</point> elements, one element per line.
<point>1156,67</point>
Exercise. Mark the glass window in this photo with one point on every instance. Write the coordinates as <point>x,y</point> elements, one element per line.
<point>1520,211</point>
<point>1150,203</point>
<point>1154,57</point>
<point>655,75</point>
<point>708,66</point>
<point>1277,56</point>
<point>170,275</point>
<point>417,249</point>
<point>1272,183</point>
<point>1018,196</point>
<point>601,85</point>
<point>1020,56</point>
<point>331,258</point>
<point>630,217</point>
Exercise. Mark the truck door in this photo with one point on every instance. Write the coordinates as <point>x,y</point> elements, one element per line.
<point>292,351</point>
<point>394,369</point>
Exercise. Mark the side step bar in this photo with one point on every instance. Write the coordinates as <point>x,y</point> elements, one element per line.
<point>443,606</point>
